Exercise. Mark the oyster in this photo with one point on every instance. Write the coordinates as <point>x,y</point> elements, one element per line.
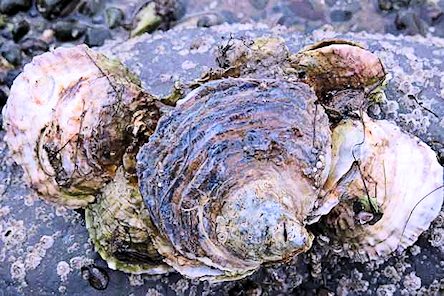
<point>232,175</point>
<point>73,116</point>
<point>373,200</point>
<point>120,228</point>
<point>229,176</point>
<point>333,65</point>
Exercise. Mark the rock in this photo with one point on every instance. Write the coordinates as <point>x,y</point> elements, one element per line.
<point>210,20</point>
<point>91,7</point>
<point>259,4</point>
<point>68,30</point>
<point>33,46</point>
<point>340,15</point>
<point>20,29</point>
<point>147,20</point>
<point>10,76</point>
<point>387,5</point>
<point>3,21</point>
<point>12,53</point>
<point>114,17</point>
<point>3,98</point>
<point>409,23</point>
<point>11,7</point>
<point>96,36</point>
<point>52,9</point>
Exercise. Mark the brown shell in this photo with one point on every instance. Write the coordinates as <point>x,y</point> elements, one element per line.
<point>333,65</point>
<point>230,176</point>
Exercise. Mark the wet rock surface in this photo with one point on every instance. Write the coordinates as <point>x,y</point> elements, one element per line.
<point>45,249</point>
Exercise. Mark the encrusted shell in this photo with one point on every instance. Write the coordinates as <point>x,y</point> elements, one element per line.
<point>73,116</point>
<point>120,228</point>
<point>384,188</point>
<point>333,65</point>
<point>230,175</point>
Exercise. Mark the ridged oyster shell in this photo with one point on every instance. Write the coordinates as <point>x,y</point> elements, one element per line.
<point>72,117</point>
<point>120,228</point>
<point>383,190</point>
<point>230,175</point>
<point>333,65</point>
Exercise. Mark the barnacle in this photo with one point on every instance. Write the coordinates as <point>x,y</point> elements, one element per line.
<point>384,188</point>
<point>229,176</point>
<point>73,116</point>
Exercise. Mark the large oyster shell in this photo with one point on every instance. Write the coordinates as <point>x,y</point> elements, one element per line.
<point>384,188</point>
<point>230,175</point>
<point>73,116</point>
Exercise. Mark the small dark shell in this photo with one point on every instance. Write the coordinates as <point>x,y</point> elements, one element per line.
<point>223,178</point>
<point>96,276</point>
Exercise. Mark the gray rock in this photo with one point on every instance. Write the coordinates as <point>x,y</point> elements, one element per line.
<point>52,9</point>
<point>96,36</point>
<point>11,7</point>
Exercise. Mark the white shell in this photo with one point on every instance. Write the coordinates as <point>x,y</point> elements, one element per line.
<point>67,119</point>
<point>399,170</point>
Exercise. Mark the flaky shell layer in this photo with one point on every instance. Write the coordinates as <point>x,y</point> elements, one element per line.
<point>333,65</point>
<point>73,116</point>
<point>230,175</point>
<point>384,188</point>
<point>120,228</point>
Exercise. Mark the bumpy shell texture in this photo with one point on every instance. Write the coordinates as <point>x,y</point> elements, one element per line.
<point>73,116</point>
<point>372,189</point>
<point>337,65</point>
<point>230,175</point>
<point>119,227</point>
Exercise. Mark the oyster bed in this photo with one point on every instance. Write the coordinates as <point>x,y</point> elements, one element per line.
<point>43,248</point>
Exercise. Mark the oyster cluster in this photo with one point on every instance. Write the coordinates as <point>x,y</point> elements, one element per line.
<point>229,179</point>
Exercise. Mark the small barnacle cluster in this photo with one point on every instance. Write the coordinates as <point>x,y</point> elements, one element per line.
<point>229,179</point>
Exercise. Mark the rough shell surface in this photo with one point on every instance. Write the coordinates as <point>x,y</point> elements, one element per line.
<point>119,226</point>
<point>384,188</point>
<point>73,116</point>
<point>337,65</point>
<point>230,175</point>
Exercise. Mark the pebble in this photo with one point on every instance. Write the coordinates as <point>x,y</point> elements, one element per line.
<point>96,36</point>
<point>33,46</point>
<point>68,30</point>
<point>409,23</point>
<point>3,98</point>
<point>210,20</point>
<point>11,7</point>
<point>20,29</point>
<point>52,9</point>
<point>91,7</point>
<point>114,17</point>
<point>12,53</point>
<point>340,15</point>
<point>259,4</point>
